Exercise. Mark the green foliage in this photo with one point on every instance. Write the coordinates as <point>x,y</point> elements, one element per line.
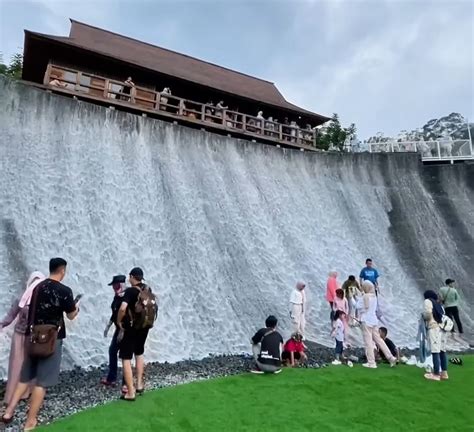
<point>334,135</point>
<point>332,399</point>
<point>14,68</point>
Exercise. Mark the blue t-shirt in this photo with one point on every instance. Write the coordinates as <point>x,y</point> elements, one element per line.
<point>370,274</point>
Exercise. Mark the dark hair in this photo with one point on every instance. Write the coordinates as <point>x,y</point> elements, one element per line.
<point>438,311</point>
<point>271,321</point>
<point>338,314</point>
<point>368,260</point>
<point>383,330</point>
<point>55,264</point>
<point>352,278</point>
<point>340,293</point>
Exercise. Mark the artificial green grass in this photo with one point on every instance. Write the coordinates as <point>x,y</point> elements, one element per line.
<point>336,398</point>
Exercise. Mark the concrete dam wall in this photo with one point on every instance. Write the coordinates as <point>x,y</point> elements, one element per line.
<point>223,228</point>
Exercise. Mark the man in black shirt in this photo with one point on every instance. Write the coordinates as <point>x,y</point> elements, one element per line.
<point>390,345</point>
<point>267,346</point>
<point>53,300</point>
<point>118,285</point>
<point>133,340</point>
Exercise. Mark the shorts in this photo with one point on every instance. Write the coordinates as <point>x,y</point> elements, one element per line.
<point>45,371</point>
<point>133,343</point>
<point>285,355</point>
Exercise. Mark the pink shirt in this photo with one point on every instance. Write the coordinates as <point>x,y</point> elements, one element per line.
<point>341,304</point>
<point>331,288</point>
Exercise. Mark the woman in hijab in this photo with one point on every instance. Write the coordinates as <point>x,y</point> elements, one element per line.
<point>433,314</point>
<point>297,308</point>
<point>17,353</point>
<point>331,286</point>
<point>370,328</point>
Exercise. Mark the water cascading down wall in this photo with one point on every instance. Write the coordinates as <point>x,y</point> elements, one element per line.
<point>223,228</point>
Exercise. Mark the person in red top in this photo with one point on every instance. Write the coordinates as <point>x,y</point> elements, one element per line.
<point>293,351</point>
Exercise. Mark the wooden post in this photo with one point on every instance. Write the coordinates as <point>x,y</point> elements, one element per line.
<point>78,81</point>
<point>47,74</point>
<point>244,122</point>
<point>203,112</point>
<point>106,89</point>
<point>280,130</point>
<point>224,115</point>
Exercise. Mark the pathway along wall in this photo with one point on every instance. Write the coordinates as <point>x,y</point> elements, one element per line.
<point>223,228</point>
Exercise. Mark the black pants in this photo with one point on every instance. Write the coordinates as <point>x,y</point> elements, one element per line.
<point>453,313</point>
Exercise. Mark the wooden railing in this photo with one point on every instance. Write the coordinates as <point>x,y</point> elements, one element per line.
<point>62,78</point>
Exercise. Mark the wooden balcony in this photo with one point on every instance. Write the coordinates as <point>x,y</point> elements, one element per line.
<point>110,92</point>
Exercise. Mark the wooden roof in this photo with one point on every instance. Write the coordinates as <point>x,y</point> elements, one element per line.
<point>178,65</point>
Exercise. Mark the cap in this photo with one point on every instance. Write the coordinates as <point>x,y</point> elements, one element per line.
<point>449,281</point>
<point>137,273</point>
<point>118,279</point>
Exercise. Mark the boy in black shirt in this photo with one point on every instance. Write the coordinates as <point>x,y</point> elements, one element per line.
<point>118,285</point>
<point>390,345</point>
<point>267,346</point>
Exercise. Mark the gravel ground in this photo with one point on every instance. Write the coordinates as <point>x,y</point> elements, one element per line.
<point>80,389</point>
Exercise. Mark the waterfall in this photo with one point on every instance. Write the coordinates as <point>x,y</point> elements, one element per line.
<point>223,228</point>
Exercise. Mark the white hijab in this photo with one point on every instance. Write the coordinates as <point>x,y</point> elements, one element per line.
<point>35,278</point>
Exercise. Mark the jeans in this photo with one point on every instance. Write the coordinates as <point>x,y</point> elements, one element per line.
<point>453,313</point>
<point>439,360</point>
<point>113,357</point>
<point>339,347</point>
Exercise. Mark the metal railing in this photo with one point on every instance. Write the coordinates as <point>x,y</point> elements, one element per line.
<point>443,150</point>
<point>71,80</point>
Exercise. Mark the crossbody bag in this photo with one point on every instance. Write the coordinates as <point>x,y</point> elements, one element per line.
<point>41,340</point>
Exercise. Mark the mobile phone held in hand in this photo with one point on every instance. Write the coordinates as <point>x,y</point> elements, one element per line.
<point>78,297</point>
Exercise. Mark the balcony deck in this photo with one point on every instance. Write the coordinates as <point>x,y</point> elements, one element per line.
<point>140,100</point>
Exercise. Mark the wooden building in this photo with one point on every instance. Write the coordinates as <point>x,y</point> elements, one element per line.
<point>93,64</point>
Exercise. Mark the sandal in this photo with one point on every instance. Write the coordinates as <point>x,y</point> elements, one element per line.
<point>7,420</point>
<point>30,428</point>
<point>127,399</point>
<point>124,389</point>
<point>140,391</point>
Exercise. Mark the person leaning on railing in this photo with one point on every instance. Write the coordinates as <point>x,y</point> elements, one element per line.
<point>127,89</point>
<point>55,82</point>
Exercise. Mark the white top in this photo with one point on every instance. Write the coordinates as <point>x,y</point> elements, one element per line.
<point>369,316</point>
<point>339,330</point>
<point>296,297</point>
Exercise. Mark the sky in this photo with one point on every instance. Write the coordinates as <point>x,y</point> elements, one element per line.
<point>385,65</point>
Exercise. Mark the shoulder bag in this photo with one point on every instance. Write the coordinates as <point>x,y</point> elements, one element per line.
<point>41,338</point>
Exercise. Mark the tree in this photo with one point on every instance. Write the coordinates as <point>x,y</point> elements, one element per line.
<point>14,69</point>
<point>334,136</point>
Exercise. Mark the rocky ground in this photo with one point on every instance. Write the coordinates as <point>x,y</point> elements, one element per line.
<point>80,389</point>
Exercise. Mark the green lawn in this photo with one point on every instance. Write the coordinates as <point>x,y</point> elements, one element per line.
<point>333,399</point>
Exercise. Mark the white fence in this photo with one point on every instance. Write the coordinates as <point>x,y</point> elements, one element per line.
<point>442,150</point>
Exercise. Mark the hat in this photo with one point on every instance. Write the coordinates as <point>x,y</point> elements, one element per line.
<point>137,273</point>
<point>117,279</point>
<point>449,281</point>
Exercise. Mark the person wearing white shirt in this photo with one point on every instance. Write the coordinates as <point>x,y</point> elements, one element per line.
<point>297,308</point>
<point>370,329</point>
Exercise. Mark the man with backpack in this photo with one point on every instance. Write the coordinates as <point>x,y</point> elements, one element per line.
<point>136,316</point>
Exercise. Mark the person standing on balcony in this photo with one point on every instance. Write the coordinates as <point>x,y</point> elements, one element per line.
<point>220,107</point>
<point>164,99</point>
<point>127,89</point>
